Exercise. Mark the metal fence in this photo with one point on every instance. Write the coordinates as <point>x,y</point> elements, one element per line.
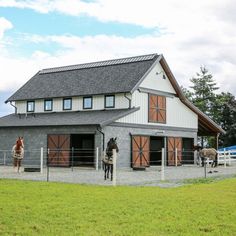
<point>85,166</point>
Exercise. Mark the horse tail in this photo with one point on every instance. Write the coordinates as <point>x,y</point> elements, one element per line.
<point>216,159</point>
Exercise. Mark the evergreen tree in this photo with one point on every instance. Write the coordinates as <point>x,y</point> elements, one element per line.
<point>204,88</point>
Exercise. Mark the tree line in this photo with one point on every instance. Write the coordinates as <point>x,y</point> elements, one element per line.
<point>220,107</point>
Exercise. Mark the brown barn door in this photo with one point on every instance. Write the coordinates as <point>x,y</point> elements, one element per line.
<point>140,151</point>
<point>59,149</point>
<point>172,144</point>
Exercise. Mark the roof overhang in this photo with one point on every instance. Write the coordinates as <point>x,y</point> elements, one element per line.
<point>206,126</point>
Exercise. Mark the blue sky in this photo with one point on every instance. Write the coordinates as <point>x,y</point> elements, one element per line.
<point>39,34</point>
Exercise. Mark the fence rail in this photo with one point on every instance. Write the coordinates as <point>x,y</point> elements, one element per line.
<point>43,165</point>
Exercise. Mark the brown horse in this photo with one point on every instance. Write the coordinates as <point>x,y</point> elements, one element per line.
<point>205,153</point>
<point>108,159</point>
<point>18,153</point>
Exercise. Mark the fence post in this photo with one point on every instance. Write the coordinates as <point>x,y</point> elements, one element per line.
<point>163,164</point>
<point>229,156</point>
<point>114,166</point>
<point>41,160</point>
<point>48,166</point>
<point>205,167</point>
<point>224,158</point>
<point>176,155</point>
<point>72,159</point>
<point>97,151</point>
<point>4,158</point>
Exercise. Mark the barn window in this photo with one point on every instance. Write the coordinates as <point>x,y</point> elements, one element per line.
<point>157,109</point>
<point>109,101</point>
<point>30,106</point>
<point>67,104</point>
<point>87,103</point>
<point>47,105</point>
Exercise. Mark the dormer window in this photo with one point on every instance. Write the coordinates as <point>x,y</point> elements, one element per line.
<point>87,103</point>
<point>30,106</point>
<point>48,105</point>
<point>67,104</point>
<point>109,101</point>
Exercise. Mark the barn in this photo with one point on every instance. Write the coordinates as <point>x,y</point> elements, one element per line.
<point>73,110</point>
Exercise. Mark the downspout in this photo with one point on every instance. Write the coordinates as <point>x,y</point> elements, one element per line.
<point>99,129</point>
<point>129,99</point>
<point>14,107</point>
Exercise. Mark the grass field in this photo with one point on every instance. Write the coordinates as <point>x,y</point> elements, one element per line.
<point>40,208</point>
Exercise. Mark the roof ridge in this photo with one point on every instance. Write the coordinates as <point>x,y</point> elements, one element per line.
<point>118,61</point>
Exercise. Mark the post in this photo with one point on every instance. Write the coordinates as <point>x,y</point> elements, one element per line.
<point>72,159</point>
<point>163,164</point>
<point>114,166</point>
<point>41,160</point>
<point>4,158</point>
<point>97,151</point>
<point>224,158</point>
<point>229,156</point>
<point>48,166</point>
<point>176,157</point>
<point>204,167</point>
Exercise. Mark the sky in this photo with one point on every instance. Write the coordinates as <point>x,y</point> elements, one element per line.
<point>42,34</point>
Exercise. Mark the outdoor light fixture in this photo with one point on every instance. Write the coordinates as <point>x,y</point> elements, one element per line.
<point>161,72</point>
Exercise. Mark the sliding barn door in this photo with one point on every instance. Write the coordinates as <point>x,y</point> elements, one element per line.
<point>140,151</point>
<point>173,144</point>
<point>59,149</point>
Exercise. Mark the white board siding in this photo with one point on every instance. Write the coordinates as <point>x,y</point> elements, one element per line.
<point>177,114</point>
<point>156,82</point>
<point>121,102</point>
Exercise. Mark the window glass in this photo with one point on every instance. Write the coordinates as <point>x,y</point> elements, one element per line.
<point>48,105</point>
<point>67,104</point>
<point>30,106</point>
<point>87,104</point>
<point>109,101</point>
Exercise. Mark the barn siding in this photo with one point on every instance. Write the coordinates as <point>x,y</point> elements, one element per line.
<point>177,114</point>
<point>121,102</point>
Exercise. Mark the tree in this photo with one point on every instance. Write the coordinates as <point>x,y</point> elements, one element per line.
<point>204,88</point>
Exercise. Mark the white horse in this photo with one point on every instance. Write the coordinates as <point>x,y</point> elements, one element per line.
<point>18,154</point>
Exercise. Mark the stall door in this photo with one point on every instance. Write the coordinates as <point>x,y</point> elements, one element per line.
<point>173,143</point>
<point>59,150</point>
<point>140,151</point>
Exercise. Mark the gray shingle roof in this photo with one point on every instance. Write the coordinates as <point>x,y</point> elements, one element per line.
<point>101,118</point>
<point>106,77</point>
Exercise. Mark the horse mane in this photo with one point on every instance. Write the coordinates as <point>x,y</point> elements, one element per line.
<point>110,146</point>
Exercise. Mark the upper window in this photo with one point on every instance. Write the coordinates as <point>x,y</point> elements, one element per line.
<point>67,104</point>
<point>109,101</point>
<point>30,106</point>
<point>47,105</point>
<point>157,109</point>
<point>87,103</point>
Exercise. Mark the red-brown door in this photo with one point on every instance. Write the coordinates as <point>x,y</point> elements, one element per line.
<point>173,144</point>
<point>59,149</point>
<point>140,151</point>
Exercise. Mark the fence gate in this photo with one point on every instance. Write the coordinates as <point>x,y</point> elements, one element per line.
<point>59,149</point>
<point>172,144</point>
<point>140,151</point>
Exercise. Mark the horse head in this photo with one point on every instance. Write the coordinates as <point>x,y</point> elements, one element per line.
<point>112,144</point>
<point>19,145</point>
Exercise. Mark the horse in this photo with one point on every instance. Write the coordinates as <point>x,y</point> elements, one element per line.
<point>18,153</point>
<point>108,158</point>
<point>205,153</point>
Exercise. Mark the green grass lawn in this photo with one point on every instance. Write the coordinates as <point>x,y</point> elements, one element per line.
<point>41,208</point>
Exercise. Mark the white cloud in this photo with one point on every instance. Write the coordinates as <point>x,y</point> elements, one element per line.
<point>4,25</point>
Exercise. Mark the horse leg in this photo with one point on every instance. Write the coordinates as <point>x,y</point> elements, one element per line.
<point>108,170</point>
<point>202,161</point>
<point>105,170</point>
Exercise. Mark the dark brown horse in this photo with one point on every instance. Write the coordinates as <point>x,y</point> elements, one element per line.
<point>108,159</point>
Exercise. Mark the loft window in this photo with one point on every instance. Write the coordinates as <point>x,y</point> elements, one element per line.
<point>48,105</point>
<point>87,103</point>
<point>67,104</point>
<point>109,101</point>
<point>157,109</point>
<point>30,106</point>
